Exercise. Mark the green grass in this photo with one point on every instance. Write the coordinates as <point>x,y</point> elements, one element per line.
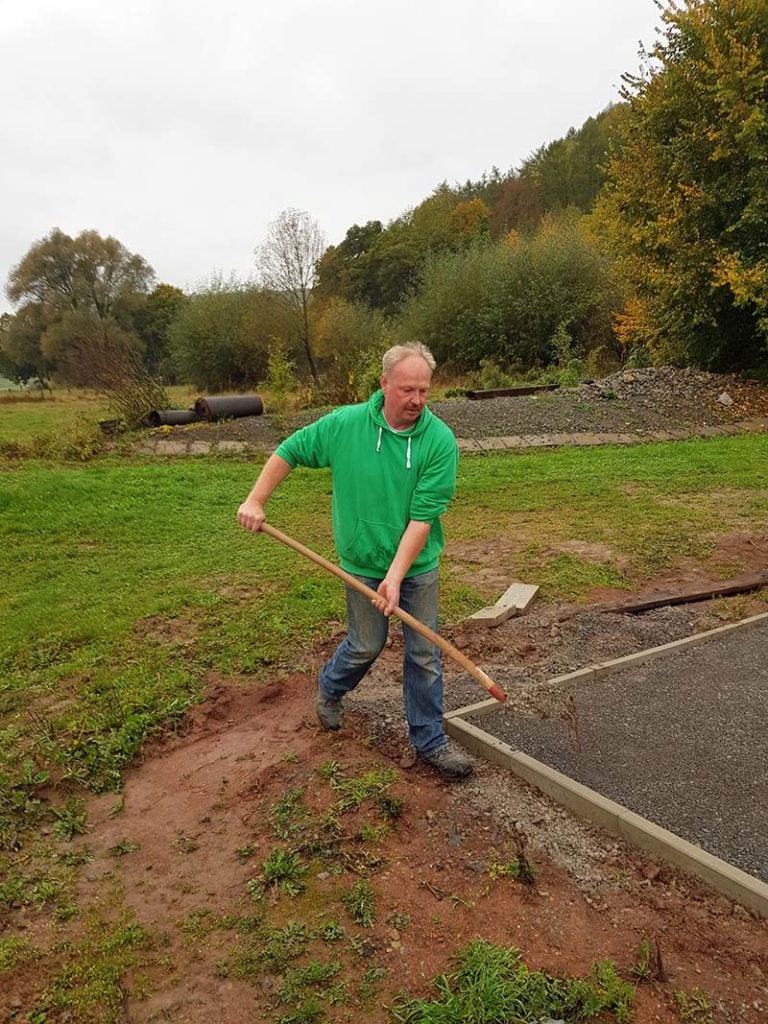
<point>89,984</point>
<point>26,417</point>
<point>123,582</point>
<point>653,504</point>
<point>493,984</point>
<point>15,951</point>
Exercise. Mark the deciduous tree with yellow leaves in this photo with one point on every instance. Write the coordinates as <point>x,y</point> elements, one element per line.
<point>686,203</point>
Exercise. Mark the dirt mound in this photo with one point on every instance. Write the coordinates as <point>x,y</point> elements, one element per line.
<point>250,774</point>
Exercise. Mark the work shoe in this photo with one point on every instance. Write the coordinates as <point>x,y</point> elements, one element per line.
<point>450,762</point>
<point>329,711</point>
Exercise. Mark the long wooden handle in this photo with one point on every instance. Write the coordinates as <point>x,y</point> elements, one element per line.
<point>453,652</point>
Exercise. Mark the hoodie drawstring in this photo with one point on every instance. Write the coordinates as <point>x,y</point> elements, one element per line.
<point>407,451</point>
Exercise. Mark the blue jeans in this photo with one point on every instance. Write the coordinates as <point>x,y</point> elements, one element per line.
<point>422,672</point>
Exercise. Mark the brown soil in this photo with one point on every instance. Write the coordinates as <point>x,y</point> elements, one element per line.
<point>199,797</point>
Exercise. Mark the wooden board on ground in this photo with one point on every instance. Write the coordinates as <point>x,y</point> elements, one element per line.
<point>530,389</point>
<point>699,592</point>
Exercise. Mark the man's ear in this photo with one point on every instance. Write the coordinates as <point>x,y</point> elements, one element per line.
<point>383,383</point>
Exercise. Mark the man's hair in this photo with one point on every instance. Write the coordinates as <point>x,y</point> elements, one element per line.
<point>397,353</point>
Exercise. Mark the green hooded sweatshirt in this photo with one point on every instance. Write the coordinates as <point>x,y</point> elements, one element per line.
<point>382,479</point>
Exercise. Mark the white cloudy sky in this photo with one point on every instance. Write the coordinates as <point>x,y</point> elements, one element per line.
<point>184,128</point>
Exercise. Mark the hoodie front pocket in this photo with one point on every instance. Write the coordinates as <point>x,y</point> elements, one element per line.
<point>373,545</point>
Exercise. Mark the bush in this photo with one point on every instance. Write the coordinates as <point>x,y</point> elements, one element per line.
<point>491,376</point>
<point>80,443</point>
<point>222,336</point>
<point>515,301</point>
<point>351,340</point>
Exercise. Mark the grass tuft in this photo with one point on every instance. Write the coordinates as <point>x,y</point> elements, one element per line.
<point>491,984</point>
<point>360,902</point>
<point>282,870</point>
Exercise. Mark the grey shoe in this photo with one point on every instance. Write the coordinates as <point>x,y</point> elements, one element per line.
<point>449,761</point>
<point>329,711</point>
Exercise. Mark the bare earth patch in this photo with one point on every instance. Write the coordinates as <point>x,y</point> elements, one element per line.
<point>199,816</point>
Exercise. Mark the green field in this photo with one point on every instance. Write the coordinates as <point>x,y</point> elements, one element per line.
<point>124,582</point>
<point>25,417</point>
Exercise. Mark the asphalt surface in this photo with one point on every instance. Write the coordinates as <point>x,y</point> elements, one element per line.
<point>682,741</point>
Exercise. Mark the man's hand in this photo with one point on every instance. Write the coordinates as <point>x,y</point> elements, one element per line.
<point>250,515</point>
<point>388,596</point>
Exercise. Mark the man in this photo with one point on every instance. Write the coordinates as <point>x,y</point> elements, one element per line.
<point>394,473</point>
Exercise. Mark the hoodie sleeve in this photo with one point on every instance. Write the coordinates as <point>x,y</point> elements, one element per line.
<point>437,482</point>
<point>312,446</point>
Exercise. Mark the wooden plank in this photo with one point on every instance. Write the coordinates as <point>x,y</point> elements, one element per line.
<point>530,389</point>
<point>699,592</point>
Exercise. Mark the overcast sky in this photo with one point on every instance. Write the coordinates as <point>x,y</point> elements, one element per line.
<point>184,128</point>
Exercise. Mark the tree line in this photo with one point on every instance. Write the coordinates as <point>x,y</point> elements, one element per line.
<point>640,237</point>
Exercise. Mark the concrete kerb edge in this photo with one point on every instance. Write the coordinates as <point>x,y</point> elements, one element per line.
<point>523,441</point>
<point>721,876</point>
<point>482,707</point>
<point>635,830</point>
<point>605,668</point>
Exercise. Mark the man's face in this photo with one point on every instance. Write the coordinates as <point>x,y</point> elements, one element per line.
<point>406,391</point>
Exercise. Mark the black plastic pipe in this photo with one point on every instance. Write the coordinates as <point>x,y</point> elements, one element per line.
<point>228,407</point>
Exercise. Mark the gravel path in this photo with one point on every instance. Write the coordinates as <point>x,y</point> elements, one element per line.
<point>681,741</point>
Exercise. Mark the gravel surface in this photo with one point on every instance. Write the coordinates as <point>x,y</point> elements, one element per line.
<point>626,402</point>
<point>681,741</point>
<point>520,655</point>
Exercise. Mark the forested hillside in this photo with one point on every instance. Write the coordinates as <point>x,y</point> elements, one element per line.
<point>639,237</point>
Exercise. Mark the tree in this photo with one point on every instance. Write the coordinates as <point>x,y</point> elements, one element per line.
<point>516,207</point>
<point>287,264</point>
<point>87,273</point>
<point>8,367</point>
<point>75,288</point>
<point>152,322</point>
<point>222,335</point>
<point>686,204</point>
<point>20,344</point>
<point>346,271</point>
<point>571,171</point>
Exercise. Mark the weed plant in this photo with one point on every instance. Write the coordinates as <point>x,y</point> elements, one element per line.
<point>693,1007</point>
<point>492,984</point>
<point>15,951</point>
<point>282,870</point>
<point>352,792</point>
<point>360,902</point>
<point>89,985</point>
<point>286,813</point>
